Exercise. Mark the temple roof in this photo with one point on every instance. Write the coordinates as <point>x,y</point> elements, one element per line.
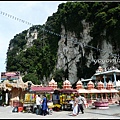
<point>8,85</point>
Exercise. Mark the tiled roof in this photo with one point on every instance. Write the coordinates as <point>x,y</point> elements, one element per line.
<point>42,89</point>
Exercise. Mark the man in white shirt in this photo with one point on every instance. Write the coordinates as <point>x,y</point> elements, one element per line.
<point>38,104</point>
<point>81,100</point>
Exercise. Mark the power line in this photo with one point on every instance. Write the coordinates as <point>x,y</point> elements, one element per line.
<point>51,32</point>
<point>28,23</point>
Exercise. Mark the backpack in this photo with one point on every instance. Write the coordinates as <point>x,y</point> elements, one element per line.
<point>15,109</point>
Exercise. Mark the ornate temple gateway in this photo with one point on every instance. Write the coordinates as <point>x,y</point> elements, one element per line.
<point>105,89</point>
<point>12,90</point>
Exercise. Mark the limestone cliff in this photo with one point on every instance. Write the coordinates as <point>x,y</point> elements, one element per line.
<point>78,38</point>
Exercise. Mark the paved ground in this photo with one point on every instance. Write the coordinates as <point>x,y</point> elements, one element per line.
<point>113,112</point>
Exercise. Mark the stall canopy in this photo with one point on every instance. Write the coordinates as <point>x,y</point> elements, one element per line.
<point>41,89</point>
<point>68,91</point>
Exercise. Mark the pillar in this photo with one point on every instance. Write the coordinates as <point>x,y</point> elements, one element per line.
<point>114,79</point>
<point>106,96</point>
<point>101,96</point>
<point>85,95</point>
<point>111,95</point>
<point>104,81</point>
<point>91,96</point>
<point>96,95</point>
<point>111,78</point>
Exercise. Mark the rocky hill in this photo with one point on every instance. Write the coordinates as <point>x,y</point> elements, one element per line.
<point>71,45</point>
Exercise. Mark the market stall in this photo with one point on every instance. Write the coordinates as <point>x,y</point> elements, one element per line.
<point>67,94</point>
<point>29,102</point>
<point>39,89</point>
<point>66,98</point>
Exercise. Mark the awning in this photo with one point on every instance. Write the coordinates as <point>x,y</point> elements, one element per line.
<point>68,91</point>
<point>41,89</point>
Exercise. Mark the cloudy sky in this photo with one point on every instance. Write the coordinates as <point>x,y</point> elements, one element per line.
<point>35,12</point>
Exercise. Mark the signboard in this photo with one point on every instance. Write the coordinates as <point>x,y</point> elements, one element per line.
<point>10,75</point>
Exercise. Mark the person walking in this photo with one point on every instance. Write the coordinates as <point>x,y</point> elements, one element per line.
<point>44,105</point>
<point>81,101</point>
<point>38,104</point>
<point>75,107</point>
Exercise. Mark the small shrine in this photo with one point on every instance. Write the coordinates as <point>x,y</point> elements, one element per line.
<point>79,85</point>
<point>113,92</point>
<point>100,85</point>
<point>109,85</point>
<point>67,84</point>
<point>102,90</point>
<point>53,84</point>
<point>80,88</point>
<point>91,90</point>
<point>90,85</point>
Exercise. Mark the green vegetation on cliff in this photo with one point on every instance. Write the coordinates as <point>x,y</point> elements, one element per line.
<point>40,59</point>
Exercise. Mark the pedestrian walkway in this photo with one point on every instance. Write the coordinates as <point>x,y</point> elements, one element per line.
<point>113,112</point>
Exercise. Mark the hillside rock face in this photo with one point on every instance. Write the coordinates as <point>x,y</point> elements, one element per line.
<point>70,54</point>
<point>30,37</point>
<point>83,35</point>
<point>71,49</point>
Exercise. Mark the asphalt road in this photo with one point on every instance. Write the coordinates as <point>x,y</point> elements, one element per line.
<point>113,112</point>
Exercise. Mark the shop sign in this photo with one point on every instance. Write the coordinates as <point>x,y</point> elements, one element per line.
<point>10,75</point>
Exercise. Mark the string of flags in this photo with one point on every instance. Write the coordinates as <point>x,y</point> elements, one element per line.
<point>28,23</point>
<point>42,28</point>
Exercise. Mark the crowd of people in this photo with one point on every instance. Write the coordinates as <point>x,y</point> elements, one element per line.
<point>77,105</point>
<point>41,103</point>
